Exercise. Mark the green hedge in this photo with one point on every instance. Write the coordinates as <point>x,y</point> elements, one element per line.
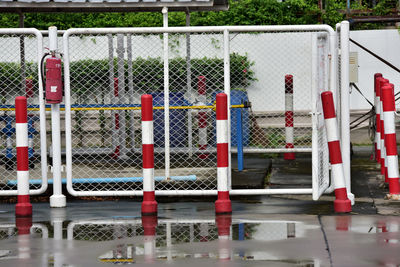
<point>148,74</point>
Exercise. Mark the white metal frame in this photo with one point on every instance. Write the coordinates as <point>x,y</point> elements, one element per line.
<point>331,36</point>
<point>42,112</point>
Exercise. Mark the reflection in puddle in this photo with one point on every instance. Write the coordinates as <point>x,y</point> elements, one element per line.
<point>154,241</point>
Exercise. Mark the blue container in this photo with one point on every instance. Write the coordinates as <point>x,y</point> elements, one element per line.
<point>177,120</point>
<point>237,98</point>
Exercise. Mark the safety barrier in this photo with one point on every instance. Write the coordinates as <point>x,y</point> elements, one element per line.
<point>188,131</point>
<point>20,62</point>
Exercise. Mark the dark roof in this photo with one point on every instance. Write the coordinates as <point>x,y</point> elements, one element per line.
<point>29,6</point>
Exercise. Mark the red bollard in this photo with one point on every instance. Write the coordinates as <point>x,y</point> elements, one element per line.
<point>383,160</point>
<point>117,151</point>
<point>223,204</point>
<point>23,207</point>
<point>342,203</point>
<point>149,204</point>
<point>377,143</point>
<point>389,110</point>
<point>289,117</point>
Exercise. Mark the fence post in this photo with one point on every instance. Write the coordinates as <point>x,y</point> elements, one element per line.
<point>23,207</point>
<point>223,204</point>
<point>202,117</point>
<point>149,204</point>
<point>289,117</point>
<point>341,203</point>
<point>389,110</point>
<point>116,131</point>
<point>377,143</point>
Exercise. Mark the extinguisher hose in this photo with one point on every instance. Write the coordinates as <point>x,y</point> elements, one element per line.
<point>42,72</point>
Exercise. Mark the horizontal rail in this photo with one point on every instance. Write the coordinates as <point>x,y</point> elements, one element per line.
<point>119,107</point>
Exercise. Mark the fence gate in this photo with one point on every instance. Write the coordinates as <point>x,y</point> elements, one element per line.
<point>107,70</point>
<point>19,76</point>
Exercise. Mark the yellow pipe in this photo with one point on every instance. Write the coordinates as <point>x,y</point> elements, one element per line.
<point>127,108</point>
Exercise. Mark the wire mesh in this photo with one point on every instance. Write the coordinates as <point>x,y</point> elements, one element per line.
<point>18,77</point>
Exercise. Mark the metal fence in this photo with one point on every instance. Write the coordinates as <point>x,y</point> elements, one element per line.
<point>19,76</point>
<point>106,71</point>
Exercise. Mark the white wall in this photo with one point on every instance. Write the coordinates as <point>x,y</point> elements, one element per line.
<point>384,43</point>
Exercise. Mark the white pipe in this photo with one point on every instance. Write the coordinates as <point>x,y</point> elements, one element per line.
<point>121,94</point>
<point>189,86</point>
<point>267,191</point>
<point>227,91</point>
<point>202,29</point>
<point>57,200</point>
<point>345,105</point>
<point>53,39</point>
<point>166,94</point>
<point>130,88</point>
<point>67,99</point>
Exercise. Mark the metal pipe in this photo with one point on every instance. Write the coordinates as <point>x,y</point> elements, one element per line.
<point>189,84</point>
<point>227,91</point>
<point>345,104</point>
<point>166,94</point>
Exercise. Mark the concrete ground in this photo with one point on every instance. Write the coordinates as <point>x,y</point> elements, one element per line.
<point>286,230</point>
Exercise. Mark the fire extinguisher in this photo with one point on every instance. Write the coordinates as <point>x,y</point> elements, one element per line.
<point>54,84</point>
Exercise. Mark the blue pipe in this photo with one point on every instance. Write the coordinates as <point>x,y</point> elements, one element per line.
<point>239,138</point>
<point>109,180</point>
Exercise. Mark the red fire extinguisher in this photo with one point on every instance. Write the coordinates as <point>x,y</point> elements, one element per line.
<point>54,88</point>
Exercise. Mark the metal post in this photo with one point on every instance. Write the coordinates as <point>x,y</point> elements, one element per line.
<point>166,95</point>
<point>345,104</point>
<point>114,136</point>
<point>189,86</point>
<point>227,90</point>
<point>121,93</point>
<point>57,200</point>
<point>22,51</point>
<point>239,138</point>
<point>130,88</point>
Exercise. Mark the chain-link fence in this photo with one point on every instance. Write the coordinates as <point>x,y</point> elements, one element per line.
<point>19,76</point>
<point>109,70</point>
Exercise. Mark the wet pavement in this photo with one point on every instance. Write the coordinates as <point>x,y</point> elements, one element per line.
<point>290,230</point>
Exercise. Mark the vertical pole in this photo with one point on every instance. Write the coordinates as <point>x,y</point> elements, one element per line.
<point>377,140</point>
<point>23,207</point>
<point>149,224</point>
<point>382,83</point>
<point>223,204</point>
<point>31,129</point>
<point>189,85</point>
<point>111,80</point>
<point>341,203</point>
<point>22,50</point>
<point>289,117</point>
<point>130,88</point>
<point>121,96</point>
<point>227,91</point>
<point>389,110</point>
<point>166,95</point>
<point>57,200</point>
<point>345,104</point>
<point>223,223</point>
<point>117,131</point>
<point>239,138</point>
<point>202,116</point>
<point>149,204</point>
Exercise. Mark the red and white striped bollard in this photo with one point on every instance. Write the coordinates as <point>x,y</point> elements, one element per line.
<point>149,204</point>
<point>377,140</point>
<point>389,110</point>
<point>342,202</point>
<point>383,82</point>
<point>289,117</point>
<point>202,117</point>
<point>223,204</point>
<point>23,207</point>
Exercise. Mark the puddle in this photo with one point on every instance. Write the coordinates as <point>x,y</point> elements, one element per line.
<point>220,241</point>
